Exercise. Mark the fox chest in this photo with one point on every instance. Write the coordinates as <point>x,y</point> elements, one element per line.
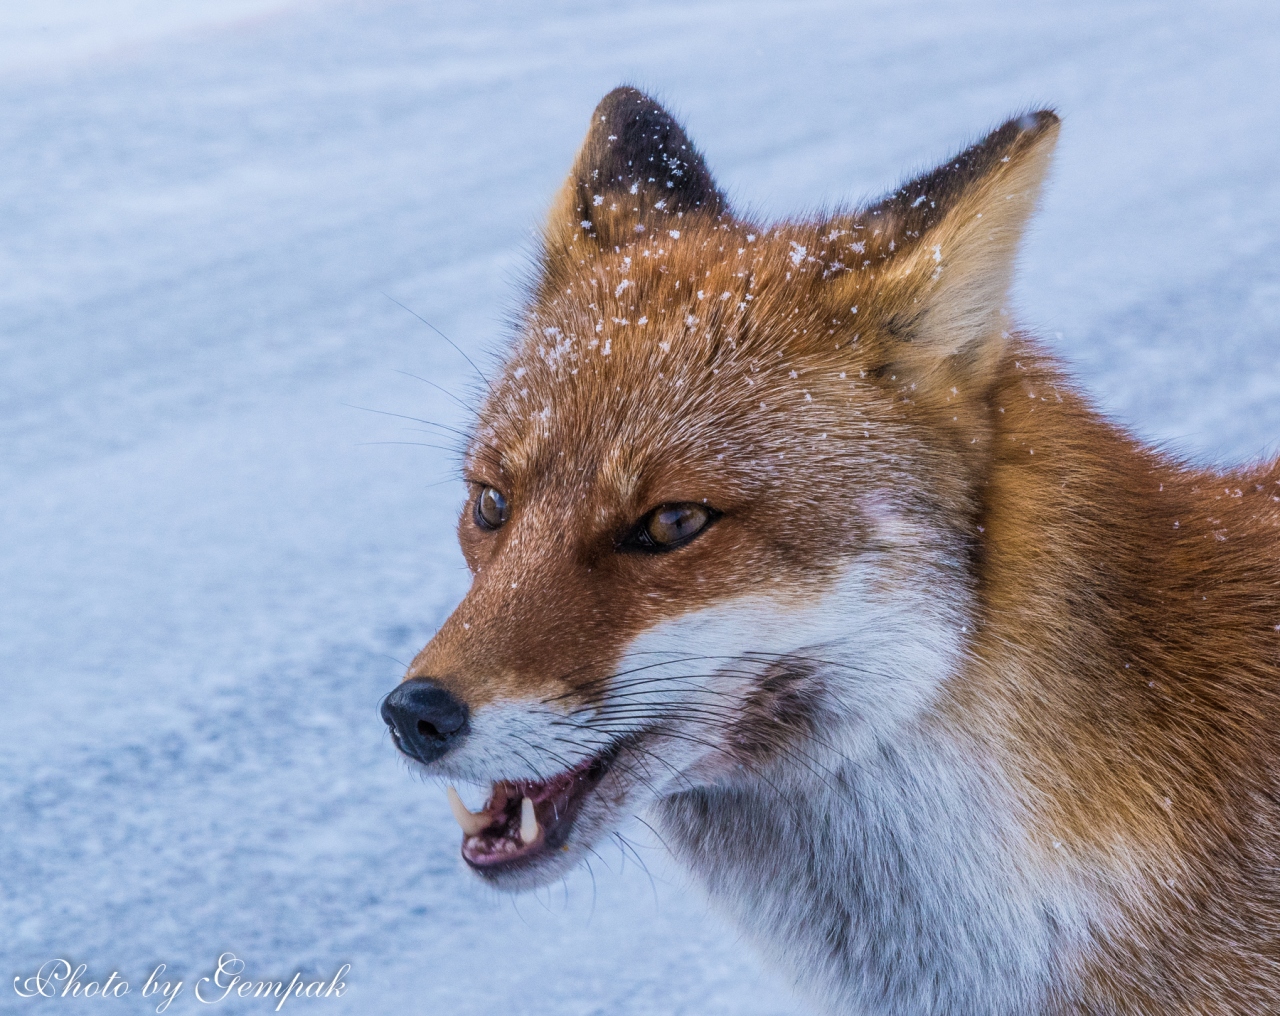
<point>891,897</point>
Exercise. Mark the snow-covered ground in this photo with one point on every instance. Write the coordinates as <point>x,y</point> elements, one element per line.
<point>211,567</point>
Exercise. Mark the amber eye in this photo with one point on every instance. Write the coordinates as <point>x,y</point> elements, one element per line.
<point>669,526</point>
<point>491,508</point>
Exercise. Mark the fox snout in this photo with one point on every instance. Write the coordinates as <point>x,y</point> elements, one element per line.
<point>425,720</point>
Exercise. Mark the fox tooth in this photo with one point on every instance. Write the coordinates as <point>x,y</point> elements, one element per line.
<point>471,822</point>
<point>528,822</point>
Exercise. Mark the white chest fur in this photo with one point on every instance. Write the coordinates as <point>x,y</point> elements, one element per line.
<point>895,883</point>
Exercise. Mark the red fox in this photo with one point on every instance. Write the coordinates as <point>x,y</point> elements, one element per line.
<point>955,697</point>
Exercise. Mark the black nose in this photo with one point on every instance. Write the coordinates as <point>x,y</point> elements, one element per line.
<point>425,720</point>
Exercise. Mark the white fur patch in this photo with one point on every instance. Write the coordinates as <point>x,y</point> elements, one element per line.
<point>515,739</point>
<point>883,650</point>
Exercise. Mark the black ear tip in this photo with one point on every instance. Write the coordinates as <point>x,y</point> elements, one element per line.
<point>626,94</point>
<point>1038,122</point>
<point>630,105</point>
<point>637,152</point>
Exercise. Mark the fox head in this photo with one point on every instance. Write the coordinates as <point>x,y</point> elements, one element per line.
<point>723,495</point>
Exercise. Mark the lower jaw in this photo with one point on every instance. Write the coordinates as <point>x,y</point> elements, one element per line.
<point>532,871</point>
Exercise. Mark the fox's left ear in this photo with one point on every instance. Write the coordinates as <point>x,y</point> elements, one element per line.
<point>636,172</point>
<point>939,254</point>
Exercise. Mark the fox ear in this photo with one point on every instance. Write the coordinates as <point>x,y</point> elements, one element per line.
<point>636,172</point>
<point>939,253</point>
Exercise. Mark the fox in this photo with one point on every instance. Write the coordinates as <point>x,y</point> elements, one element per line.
<point>948,692</point>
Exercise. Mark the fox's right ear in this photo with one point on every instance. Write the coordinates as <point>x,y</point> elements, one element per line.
<point>636,172</point>
<point>938,255</point>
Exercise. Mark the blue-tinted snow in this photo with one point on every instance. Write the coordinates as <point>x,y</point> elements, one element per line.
<point>210,570</point>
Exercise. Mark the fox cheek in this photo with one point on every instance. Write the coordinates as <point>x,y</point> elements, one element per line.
<point>472,555</point>
<point>478,547</point>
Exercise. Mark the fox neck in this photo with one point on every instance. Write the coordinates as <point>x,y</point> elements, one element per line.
<point>890,884</point>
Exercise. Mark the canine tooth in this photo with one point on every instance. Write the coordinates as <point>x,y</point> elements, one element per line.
<point>528,822</point>
<point>471,822</point>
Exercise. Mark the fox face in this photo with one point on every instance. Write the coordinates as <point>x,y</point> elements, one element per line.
<point>722,503</point>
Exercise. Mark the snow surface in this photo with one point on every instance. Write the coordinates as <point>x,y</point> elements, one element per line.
<point>210,571</point>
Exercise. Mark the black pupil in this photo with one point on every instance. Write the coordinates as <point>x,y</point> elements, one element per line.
<point>493,508</point>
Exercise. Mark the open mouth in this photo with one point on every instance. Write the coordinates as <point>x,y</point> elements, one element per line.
<point>523,820</point>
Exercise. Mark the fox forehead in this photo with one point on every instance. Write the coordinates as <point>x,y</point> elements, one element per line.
<point>680,355</point>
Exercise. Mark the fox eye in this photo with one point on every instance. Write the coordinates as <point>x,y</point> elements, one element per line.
<point>669,526</point>
<point>491,508</point>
